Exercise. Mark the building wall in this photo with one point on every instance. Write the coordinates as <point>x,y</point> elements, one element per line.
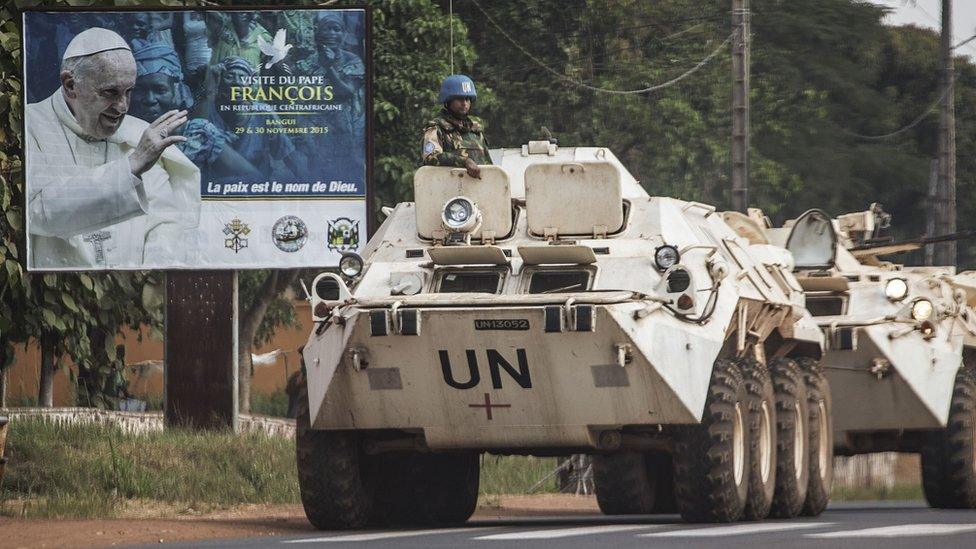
<point>146,382</point>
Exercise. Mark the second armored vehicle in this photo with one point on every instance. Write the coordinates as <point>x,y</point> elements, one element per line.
<point>901,341</point>
<point>552,307</point>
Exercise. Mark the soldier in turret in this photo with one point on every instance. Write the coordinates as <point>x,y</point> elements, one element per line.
<point>454,137</point>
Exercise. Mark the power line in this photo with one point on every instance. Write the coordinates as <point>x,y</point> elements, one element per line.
<point>632,47</point>
<point>637,45</point>
<point>577,83</point>
<point>903,129</point>
<point>934,19</point>
<point>616,31</point>
<point>938,21</point>
<point>570,31</point>
<point>964,42</point>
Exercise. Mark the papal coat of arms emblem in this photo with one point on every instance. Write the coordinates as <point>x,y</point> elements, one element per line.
<point>236,232</point>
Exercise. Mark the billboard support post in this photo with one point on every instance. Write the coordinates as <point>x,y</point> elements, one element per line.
<point>200,350</point>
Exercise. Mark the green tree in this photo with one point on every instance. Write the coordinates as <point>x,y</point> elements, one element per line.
<point>74,316</point>
<point>823,71</point>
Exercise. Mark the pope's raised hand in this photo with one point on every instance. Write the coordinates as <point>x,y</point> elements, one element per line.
<point>155,139</point>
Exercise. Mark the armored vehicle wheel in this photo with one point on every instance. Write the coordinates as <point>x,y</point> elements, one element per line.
<point>821,438</point>
<point>762,440</point>
<point>336,489</point>
<point>663,466</point>
<point>624,483</point>
<point>711,460</point>
<point>427,489</point>
<point>949,455</point>
<point>342,487</point>
<point>792,455</point>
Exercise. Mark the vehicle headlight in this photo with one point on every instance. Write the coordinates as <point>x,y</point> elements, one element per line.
<point>351,264</point>
<point>922,310</point>
<point>460,214</point>
<point>896,289</point>
<point>666,256</point>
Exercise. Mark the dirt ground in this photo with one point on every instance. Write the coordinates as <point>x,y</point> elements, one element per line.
<point>247,521</point>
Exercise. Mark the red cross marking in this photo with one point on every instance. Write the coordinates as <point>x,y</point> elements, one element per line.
<point>488,405</point>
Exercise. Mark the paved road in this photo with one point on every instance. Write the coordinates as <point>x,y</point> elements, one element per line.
<point>861,526</point>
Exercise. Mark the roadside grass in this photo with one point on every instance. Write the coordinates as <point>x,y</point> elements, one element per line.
<point>516,474</point>
<point>97,471</point>
<point>897,492</point>
<point>82,471</point>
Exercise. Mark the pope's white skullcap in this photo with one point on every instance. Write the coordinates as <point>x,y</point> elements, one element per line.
<point>92,41</point>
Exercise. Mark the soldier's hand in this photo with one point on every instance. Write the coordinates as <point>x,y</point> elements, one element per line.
<point>473,169</point>
<point>155,139</point>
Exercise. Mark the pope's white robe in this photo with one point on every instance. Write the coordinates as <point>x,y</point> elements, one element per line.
<point>86,210</point>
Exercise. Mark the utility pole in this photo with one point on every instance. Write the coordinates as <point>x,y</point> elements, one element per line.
<point>740,105</point>
<point>944,210</point>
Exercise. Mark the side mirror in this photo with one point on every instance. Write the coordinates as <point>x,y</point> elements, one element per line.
<point>328,290</point>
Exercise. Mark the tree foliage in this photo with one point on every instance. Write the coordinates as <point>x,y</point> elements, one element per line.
<point>73,315</point>
<point>822,71</point>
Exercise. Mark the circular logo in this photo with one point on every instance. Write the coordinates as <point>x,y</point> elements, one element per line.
<point>289,233</point>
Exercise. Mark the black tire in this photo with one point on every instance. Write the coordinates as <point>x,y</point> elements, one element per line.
<point>792,455</point>
<point>623,483</point>
<point>762,440</point>
<point>428,489</point>
<point>711,460</point>
<point>336,489</point>
<point>949,455</point>
<point>821,438</point>
<point>342,487</point>
<point>450,487</point>
<point>661,465</point>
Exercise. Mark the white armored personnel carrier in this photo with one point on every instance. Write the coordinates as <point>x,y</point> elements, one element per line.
<point>552,307</point>
<point>901,343</point>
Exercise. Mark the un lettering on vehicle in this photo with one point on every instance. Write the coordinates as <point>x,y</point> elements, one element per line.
<point>517,370</point>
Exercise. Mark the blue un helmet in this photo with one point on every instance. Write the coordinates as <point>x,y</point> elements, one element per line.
<point>457,85</point>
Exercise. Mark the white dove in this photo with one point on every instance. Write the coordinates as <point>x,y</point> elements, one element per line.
<point>276,50</point>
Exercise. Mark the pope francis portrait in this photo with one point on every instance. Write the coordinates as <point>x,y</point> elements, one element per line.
<point>106,190</point>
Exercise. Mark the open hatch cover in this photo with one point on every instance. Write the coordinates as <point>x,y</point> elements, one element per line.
<point>812,241</point>
<point>467,255</point>
<point>557,255</point>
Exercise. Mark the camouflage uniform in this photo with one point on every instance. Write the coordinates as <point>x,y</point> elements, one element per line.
<point>449,141</point>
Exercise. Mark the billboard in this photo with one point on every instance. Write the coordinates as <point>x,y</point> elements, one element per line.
<point>196,139</point>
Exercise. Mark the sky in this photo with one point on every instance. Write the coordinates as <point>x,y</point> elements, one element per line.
<point>927,13</point>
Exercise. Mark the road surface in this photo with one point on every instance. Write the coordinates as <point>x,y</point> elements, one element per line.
<point>856,525</point>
